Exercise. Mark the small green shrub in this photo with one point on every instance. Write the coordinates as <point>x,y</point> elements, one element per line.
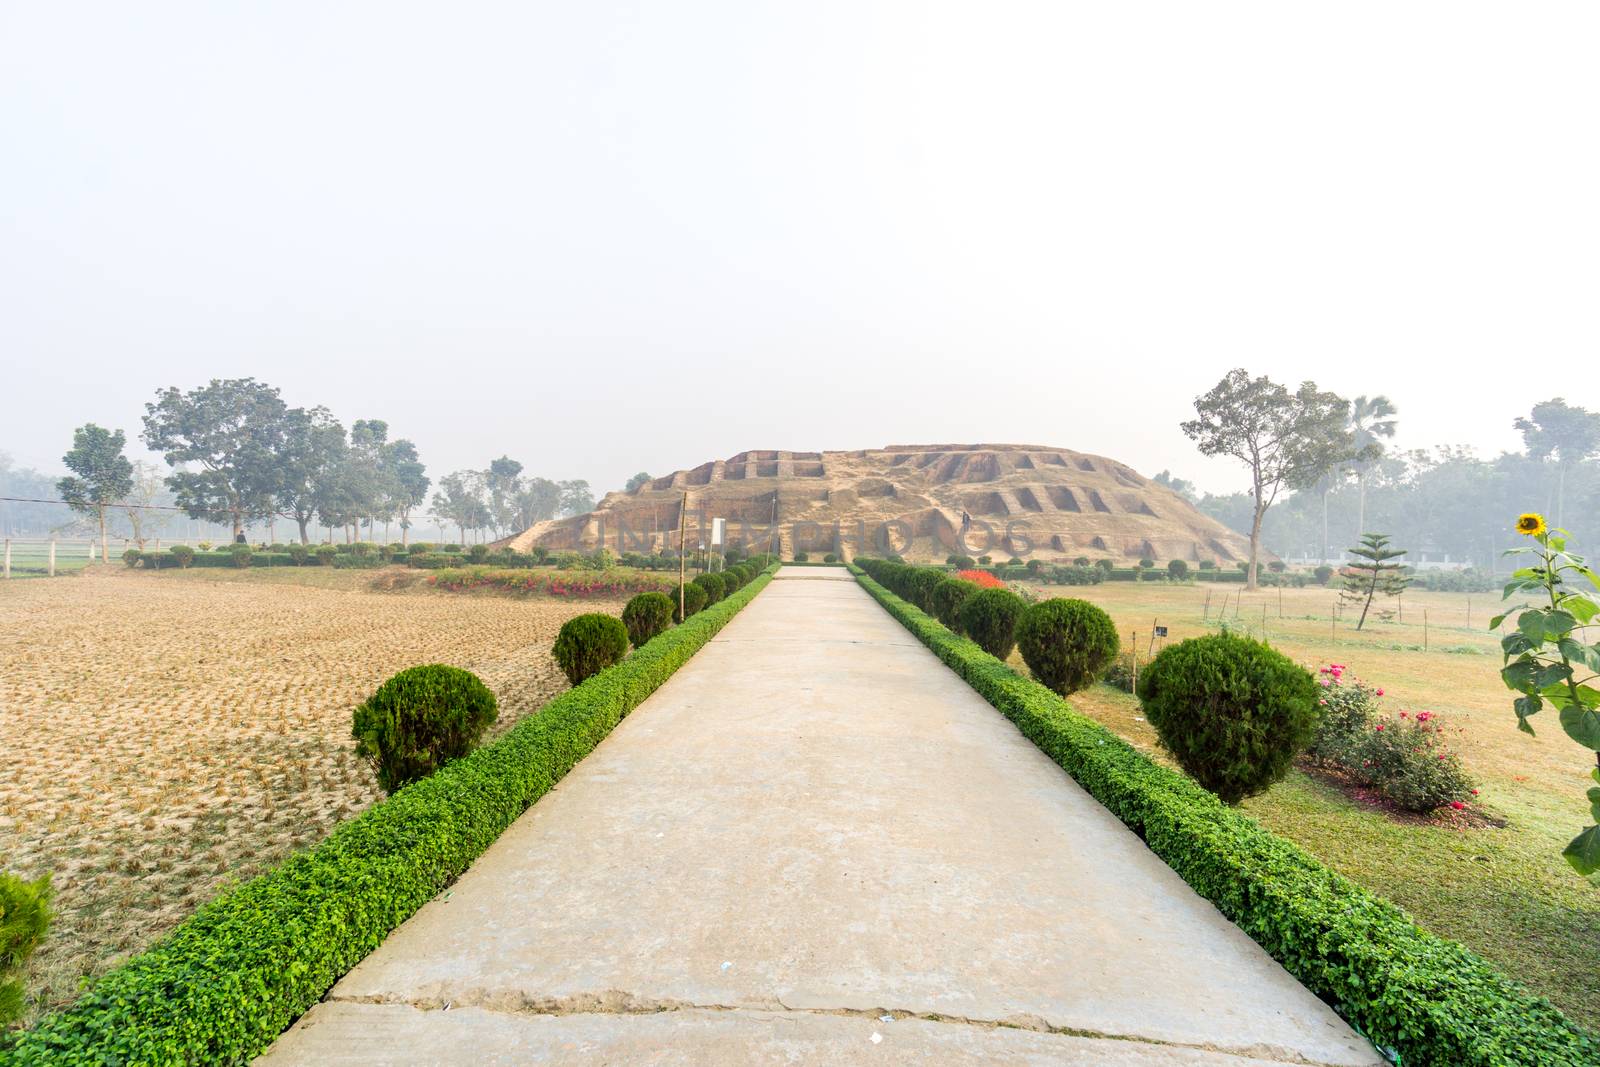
<point>1067,644</point>
<point>732,579</point>
<point>1146,563</point>
<point>361,549</point>
<point>24,919</point>
<point>204,546</point>
<point>420,546</point>
<point>421,719</point>
<point>1232,711</point>
<point>694,600</point>
<point>300,554</point>
<point>645,616</point>
<point>960,562</point>
<point>131,557</point>
<point>183,556</point>
<point>1081,561</point>
<point>1323,573</point>
<point>1035,566</point>
<point>1277,566</point>
<point>990,618</point>
<point>1177,569</point>
<point>1208,564</point>
<point>1105,565</point>
<point>830,558</point>
<point>948,596</point>
<point>478,553</point>
<point>588,644</point>
<point>802,557</point>
<point>714,586</point>
<point>240,555</point>
<point>326,554</point>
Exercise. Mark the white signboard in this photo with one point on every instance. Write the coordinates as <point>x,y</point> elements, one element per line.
<point>716,533</point>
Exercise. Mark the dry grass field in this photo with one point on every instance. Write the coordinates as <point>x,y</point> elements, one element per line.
<point>164,734</point>
<point>1504,891</point>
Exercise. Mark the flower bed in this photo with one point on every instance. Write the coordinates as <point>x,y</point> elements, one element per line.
<point>981,578</point>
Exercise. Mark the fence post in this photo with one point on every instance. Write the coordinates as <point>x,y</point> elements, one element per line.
<point>8,557</point>
<point>52,557</point>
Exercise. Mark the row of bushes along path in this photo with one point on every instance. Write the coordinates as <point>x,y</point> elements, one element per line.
<point>816,843</point>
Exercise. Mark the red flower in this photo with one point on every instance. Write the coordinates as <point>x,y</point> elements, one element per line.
<point>1457,804</point>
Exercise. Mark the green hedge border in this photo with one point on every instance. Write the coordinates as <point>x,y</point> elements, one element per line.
<point>1422,998</point>
<point>227,981</point>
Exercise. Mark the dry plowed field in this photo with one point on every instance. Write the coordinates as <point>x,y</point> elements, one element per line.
<point>163,734</point>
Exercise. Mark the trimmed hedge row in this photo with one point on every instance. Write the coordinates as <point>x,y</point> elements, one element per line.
<point>1428,999</point>
<point>223,985</point>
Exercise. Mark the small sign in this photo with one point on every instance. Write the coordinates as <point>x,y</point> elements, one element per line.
<point>1161,631</point>
<point>716,532</point>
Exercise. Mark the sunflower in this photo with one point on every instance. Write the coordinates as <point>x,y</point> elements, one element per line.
<point>1530,523</point>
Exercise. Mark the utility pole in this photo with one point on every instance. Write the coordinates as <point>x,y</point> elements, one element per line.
<point>683,540</point>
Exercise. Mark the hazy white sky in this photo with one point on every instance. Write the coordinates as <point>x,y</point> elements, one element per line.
<point>605,237</point>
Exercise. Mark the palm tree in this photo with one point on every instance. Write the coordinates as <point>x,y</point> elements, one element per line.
<point>1370,418</point>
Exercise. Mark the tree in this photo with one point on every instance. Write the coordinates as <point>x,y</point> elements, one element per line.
<point>503,477</point>
<point>459,502</point>
<point>1181,486</point>
<point>1372,574</point>
<point>1286,439</point>
<point>1571,434</point>
<point>636,481</point>
<point>1371,418</point>
<point>407,481</point>
<point>145,520</point>
<point>233,430</point>
<point>313,451</point>
<point>537,499</point>
<point>575,497</point>
<point>102,475</point>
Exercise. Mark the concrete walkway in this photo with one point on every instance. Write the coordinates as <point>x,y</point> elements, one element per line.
<point>816,844</point>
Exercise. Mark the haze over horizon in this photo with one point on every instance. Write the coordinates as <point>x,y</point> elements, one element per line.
<point>606,238</point>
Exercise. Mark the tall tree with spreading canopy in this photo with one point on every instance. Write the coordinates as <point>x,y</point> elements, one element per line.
<point>1371,422</point>
<point>1284,438</point>
<point>1570,433</point>
<point>576,497</point>
<point>408,481</point>
<point>101,474</point>
<point>232,430</point>
<point>503,478</point>
<point>537,499</point>
<point>313,452</point>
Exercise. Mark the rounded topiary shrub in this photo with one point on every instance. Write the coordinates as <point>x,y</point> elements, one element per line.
<point>714,586</point>
<point>421,719</point>
<point>990,618</point>
<point>131,557</point>
<point>1232,711</point>
<point>588,644</point>
<point>1067,644</point>
<point>830,558</point>
<point>1178,569</point>
<point>645,616</point>
<point>240,555</point>
<point>478,553</point>
<point>802,557</point>
<point>326,554</point>
<point>1323,573</point>
<point>694,599</point>
<point>182,555</point>
<point>948,596</point>
<point>732,580</point>
<point>298,554</point>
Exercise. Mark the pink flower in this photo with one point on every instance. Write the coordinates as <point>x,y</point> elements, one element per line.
<point>1474,792</point>
<point>1457,805</point>
<point>1402,714</point>
<point>1424,716</point>
<point>1380,727</point>
<point>1380,692</point>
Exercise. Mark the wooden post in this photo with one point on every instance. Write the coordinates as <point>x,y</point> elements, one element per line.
<point>1263,622</point>
<point>1133,645</point>
<point>52,557</point>
<point>683,538</point>
<point>1424,629</point>
<point>1280,601</point>
<point>8,557</point>
<point>1469,611</point>
<point>1205,614</point>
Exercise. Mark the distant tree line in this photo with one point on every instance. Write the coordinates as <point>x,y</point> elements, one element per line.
<point>1441,501</point>
<point>239,456</point>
